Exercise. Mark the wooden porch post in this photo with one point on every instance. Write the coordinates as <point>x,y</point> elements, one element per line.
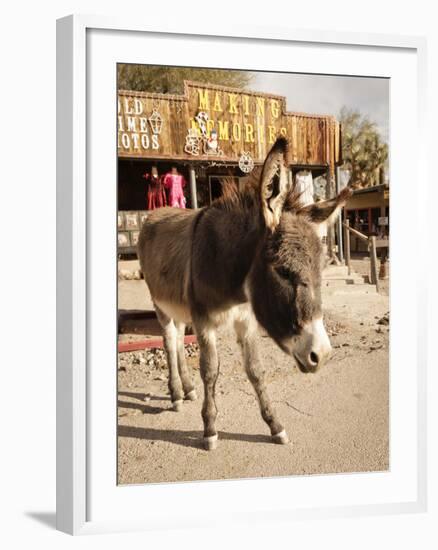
<point>290,177</point>
<point>193,193</point>
<point>373,258</point>
<point>332,258</point>
<point>383,272</point>
<point>347,245</point>
<point>339,222</point>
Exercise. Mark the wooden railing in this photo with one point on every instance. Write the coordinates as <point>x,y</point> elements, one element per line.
<point>372,243</point>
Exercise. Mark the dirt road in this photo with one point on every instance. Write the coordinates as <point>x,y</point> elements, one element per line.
<point>337,420</point>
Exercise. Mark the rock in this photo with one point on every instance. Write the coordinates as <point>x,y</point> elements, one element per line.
<point>152,359</point>
<point>384,320</point>
<point>374,348</point>
<point>128,275</point>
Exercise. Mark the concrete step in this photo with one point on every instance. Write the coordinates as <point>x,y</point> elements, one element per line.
<point>330,276</point>
<point>343,282</point>
<point>335,270</point>
<point>337,275</point>
<point>348,290</point>
<point>353,277</point>
<point>337,282</point>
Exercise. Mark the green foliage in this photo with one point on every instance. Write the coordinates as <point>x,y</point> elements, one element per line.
<point>364,152</point>
<point>170,80</point>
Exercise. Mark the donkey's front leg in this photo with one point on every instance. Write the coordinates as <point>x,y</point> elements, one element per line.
<point>170,346</point>
<point>209,366</point>
<point>246,329</point>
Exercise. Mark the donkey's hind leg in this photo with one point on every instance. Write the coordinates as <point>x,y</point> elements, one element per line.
<point>170,347</point>
<point>246,330</point>
<point>209,367</point>
<point>186,379</point>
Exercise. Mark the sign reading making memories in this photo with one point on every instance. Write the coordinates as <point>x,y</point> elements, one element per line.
<point>215,122</point>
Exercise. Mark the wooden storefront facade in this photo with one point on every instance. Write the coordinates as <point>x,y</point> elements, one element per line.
<point>210,132</point>
<point>368,212</point>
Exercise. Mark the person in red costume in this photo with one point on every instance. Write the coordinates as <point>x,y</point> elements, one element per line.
<point>174,183</point>
<point>156,197</point>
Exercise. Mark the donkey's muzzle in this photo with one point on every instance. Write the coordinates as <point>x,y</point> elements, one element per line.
<point>313,347</point>
<point>312,364</point>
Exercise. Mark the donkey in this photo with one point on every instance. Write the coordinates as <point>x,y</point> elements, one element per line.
<point>251,257</point>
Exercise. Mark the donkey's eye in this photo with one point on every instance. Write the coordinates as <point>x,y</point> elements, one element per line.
<point>283,273</point>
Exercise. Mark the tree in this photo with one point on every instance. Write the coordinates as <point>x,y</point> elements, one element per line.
<point>170,80</point>
<point>364,152</point>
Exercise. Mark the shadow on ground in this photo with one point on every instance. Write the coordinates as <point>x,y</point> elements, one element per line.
<point>186,438</point>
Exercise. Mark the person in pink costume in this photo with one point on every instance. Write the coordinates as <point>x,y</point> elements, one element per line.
<point>174,183</point>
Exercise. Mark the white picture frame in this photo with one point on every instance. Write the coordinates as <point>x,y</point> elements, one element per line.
<point>79,38</point>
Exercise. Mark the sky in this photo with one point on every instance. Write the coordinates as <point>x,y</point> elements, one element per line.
<point>322,94</point>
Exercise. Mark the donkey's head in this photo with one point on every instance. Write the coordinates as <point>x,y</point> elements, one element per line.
<point>285,281</point>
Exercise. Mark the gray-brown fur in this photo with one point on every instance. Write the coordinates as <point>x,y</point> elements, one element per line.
<point>249,257</point>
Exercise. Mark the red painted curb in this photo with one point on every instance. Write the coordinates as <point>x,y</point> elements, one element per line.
<point>150,343</point>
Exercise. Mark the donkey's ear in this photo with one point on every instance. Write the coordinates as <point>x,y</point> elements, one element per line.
<point>326,211</point>
<point>274,183</point>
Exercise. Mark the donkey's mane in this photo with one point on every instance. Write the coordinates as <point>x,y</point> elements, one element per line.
<point>293,201</point>
<point>234,199</point>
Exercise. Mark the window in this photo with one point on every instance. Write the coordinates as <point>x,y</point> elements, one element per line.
<point>365,220</point>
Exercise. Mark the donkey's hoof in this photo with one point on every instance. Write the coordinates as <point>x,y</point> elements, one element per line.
<point>210,443</point>
<point>281,438</point>
<point>177,405</point>
<point>191,396</point>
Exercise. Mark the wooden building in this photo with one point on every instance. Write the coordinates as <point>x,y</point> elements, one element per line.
<point>368,212</point>
<point>208,133</point>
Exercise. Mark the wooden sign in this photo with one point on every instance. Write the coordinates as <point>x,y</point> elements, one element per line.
<point>218,123</point>
<point>382,243</point>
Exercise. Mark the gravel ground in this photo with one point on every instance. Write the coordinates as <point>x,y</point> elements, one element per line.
<point>337,420</point>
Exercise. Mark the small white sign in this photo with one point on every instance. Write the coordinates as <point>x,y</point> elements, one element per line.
<point>383,220</point>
